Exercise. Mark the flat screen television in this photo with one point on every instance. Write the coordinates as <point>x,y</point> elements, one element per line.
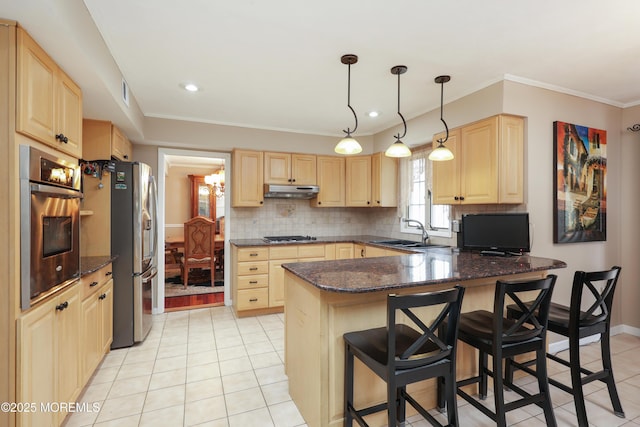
<point>496,233</point>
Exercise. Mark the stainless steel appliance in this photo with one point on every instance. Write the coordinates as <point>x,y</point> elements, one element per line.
<point>285,239</point>
<point>50,224</point>
<point>291,191</point>
<point>134,236</point>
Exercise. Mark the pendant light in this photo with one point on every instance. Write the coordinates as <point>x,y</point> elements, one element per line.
<point>441,152</point>
<point>349,145</point>
<point>398,148</point>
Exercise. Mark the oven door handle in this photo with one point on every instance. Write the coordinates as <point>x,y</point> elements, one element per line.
<point>56,191</point>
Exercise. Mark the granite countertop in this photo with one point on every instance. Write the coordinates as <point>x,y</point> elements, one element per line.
<point>364,238</point>
<point>91,264</point>
<point>437,265</point>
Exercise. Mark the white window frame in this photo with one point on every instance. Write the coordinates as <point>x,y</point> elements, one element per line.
<point>423,181</point>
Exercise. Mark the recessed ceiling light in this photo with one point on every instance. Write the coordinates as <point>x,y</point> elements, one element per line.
<point>373,114</point>
<point>191,87</point>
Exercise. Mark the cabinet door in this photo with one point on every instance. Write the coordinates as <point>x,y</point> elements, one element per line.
<point>277,168</point>
<point>303,169</point>
<point>511,149</point>
<point>90,337</point>
<point>69,115</point>
<point>331,177</point>
<point>248,178</point>
<point>384,180</point>
<point>120,146</point>
<point>374,251</point>
<point>37,361</point>
<point>344,250</point>
<point>276,282</point>
<point>68,338</point>
<point>358,181</point>
<point>446,174</point>
<point>105,317</point>
<point>36,76</point>
<point>479,162</point>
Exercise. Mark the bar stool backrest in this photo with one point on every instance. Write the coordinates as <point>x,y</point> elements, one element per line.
<point>427,346</point>
<point>595,288</point>
<point>532,323</point>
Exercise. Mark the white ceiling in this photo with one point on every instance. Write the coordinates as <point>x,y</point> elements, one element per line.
<point>276,64</point>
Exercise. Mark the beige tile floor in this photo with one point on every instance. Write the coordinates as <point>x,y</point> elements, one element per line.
<point>207,368</point>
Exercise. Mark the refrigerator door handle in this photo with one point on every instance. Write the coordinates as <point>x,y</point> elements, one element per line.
<point>147,279</point>
<point>154,219</point>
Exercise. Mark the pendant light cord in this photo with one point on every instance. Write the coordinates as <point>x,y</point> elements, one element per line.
<point>355,116</point>
<point>446,138</point>
<point>398,136</point>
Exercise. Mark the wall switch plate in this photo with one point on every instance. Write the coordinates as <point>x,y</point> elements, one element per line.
<point>455,226</point>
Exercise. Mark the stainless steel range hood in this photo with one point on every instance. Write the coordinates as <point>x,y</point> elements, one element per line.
<point>291,191</point>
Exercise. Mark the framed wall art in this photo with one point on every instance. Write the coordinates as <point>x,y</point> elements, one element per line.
<point>580,183</point>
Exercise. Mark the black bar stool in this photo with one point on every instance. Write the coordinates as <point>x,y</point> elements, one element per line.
<point>401,355</point>
<point>502,338</point>
<point>597,289</point>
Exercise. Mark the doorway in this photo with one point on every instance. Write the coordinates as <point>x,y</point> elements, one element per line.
<point>175,189</point>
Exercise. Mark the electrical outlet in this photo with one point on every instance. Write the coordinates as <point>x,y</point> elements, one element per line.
<point>455,226</point>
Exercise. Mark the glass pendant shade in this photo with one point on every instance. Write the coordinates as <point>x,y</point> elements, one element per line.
<point>348,145</point>
<point>398,149</point>
<point>441,153</point>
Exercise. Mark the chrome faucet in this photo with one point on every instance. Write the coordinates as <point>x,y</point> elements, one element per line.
<point>425,236</point>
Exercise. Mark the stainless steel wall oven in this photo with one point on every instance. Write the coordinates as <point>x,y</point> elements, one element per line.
<point>49,224</point>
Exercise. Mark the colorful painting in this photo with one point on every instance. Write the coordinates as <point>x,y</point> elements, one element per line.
<point>580,183</point>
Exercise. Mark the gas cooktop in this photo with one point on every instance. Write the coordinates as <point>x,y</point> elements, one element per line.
<point>275,239</point>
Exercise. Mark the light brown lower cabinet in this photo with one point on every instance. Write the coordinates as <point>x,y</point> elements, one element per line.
<point>97,328</point>
<point>60,343</point>
<point>49,358</point>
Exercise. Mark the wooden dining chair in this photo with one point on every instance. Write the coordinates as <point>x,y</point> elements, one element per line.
<point>199,247</point>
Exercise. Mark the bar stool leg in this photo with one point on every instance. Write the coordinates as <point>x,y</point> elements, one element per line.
<point>392,403</point>
<point>605,349</point>
<point>543,384</point>
<point>401,404</point>
<point>483,360</point>
<point>452,405</point>
<point>498,390</point>
<point>348,386</point>
<point>576,380</point>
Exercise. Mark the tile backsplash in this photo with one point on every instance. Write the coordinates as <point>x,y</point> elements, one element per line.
<point>296,217</point>
<point>280,217</point>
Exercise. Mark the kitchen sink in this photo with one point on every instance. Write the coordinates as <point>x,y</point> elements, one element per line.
<point>410,244</point>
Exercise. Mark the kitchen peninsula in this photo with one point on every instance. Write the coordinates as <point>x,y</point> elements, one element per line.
<point>325,299</point>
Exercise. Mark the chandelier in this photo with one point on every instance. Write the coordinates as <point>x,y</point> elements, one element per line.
<point>216,181</point>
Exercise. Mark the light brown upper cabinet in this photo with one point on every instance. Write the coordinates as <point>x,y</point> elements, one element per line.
<point>358,181</point>
<point>384,181</point>
<point>247,178</point>
<point>48,102</point>
<point>103,140</point>
<point>371,181</point>
<point>289,168</point>
<point>488,164</point>
<point>331,180</point>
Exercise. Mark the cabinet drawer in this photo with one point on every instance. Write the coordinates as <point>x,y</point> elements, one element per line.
<point>92,282</point>
<point>249,299</point>
<point>250,268</point>
<point>311,251</point>
<point>253,254</point>
<point>251,282</point>
<point>283,252</point>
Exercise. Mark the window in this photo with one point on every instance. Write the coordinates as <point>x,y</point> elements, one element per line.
<point>416,203</point>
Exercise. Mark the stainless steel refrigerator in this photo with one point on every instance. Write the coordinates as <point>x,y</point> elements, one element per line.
<point>134,241</point>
